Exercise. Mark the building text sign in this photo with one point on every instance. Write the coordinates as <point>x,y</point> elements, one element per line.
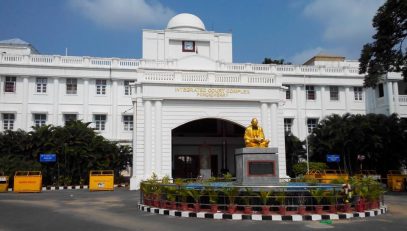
<point>213,92</point>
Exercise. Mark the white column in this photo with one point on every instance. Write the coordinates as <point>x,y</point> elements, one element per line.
<point>347,99</point>
<point>147,139</point>
<point>85,115</point>
<point>158,137</point>
<point>390,102</point>
<point>274,127</point>
<point>24,112</point>
<point>55,102</point>
<point>300,120</point>
<point>323,107</point>
<point>134,172</point>
<point>264,119</point>
<point>115,113</point>
<point>396,97</point>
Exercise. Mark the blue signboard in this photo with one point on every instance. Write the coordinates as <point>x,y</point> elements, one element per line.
<point>333,158</point>
<point>47,158</point>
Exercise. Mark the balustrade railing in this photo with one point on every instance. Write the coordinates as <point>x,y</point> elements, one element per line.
<point>85,61</point>
<point>403,99</point>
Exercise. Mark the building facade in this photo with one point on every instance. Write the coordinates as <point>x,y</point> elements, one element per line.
<point>184,105</point>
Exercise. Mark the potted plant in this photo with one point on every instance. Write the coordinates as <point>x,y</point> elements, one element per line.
<point>374,193</point>
<point>360,187</point>
<point>170,193</point>
<point>196,196</point>
<point>213,198</point>
<point>318,195</point>
<point>247,198</point>
<point>183,196</point>
<point>156,194</point>
<point>231,193</point>
<point>264,197</point>
<point>280,198</point>
<point>332,197</point>
<point>147,193</point>
<point>301,204</point>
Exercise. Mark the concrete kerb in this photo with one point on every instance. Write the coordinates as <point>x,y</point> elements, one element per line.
<point>74,187</point>
<point>260,217</point>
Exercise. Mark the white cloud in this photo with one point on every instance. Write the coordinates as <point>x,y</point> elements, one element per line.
<point>345,26</point>
<point>344,20</point>
<point>124,14</point>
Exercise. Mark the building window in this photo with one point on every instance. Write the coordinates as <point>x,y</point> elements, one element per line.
<point>311,124</point>
<point>69,117</point>
<point>8,121</point>
<point>287,92</point>
<point>41,85</point>
<point>358,93</point>
<point>40,119</point>
<point>310,91</point>
<point>334,93</point>
<point>100,122</point>
<point>288,123</point>
<point>100,87</point>
<point>381,90</point>
<point>71,86</point>
<point>10,84</point>
<point>128,122</point>
<point>127,88</point>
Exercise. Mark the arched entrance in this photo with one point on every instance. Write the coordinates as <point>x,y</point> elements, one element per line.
<point>205,147</point>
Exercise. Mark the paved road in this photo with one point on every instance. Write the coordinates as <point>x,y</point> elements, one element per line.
<point>82,210</point>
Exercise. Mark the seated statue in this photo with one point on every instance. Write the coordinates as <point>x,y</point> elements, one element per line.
<point>254,136</point>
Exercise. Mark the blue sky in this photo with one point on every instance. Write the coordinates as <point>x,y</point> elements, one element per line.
<point>293,30</point>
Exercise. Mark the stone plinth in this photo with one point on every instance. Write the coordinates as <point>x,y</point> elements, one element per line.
<point>257,166</point>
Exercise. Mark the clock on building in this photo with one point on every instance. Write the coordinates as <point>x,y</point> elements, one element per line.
<point>188,46</point>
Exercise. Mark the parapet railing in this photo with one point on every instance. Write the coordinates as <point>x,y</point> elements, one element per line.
<point>85,61</point>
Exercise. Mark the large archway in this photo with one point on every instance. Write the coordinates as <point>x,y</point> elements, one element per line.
<point>205,147</point>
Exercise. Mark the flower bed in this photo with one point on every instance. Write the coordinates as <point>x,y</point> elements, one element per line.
<point>285,199</point>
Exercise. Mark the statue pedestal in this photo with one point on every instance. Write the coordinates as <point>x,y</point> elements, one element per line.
<point>257,166</point>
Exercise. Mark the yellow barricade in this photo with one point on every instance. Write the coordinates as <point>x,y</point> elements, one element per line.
<point>396,180</point>
<point>313,175</point>
<point>3,183</point>
<point>27,181</point>
<point>368,173</point>
<point>101,180</point>
<point>330,175</point>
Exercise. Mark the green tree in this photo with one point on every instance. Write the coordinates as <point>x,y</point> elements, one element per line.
<point>274,61</point>
<point>382,139</point>
<point>78,147</point>
<point>294,149</point>
<point>387,52</point>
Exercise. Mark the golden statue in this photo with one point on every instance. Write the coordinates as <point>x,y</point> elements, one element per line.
<point>254,136</point>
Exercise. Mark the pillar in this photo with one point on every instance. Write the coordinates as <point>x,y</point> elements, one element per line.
<point>158,137</point>
<point>274,126</point>
<point>390,102</point>
<point>396,97</point>
<point>264,119</point>
<point>147,139</point>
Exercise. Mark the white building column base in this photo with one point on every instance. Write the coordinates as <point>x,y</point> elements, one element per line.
<point>135,182</point>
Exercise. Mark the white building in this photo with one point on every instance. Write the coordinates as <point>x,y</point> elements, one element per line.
<point>189,101</point>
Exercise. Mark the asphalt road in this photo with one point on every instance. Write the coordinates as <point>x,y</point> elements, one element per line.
<point>83,210</point>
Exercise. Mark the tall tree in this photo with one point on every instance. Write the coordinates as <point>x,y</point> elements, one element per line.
<point>382,139</point>
<point>294,149</point>
<point>387,52</point>
<point>78,147</point>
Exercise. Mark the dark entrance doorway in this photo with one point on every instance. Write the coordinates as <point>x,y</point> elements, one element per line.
<point>205,148</point>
